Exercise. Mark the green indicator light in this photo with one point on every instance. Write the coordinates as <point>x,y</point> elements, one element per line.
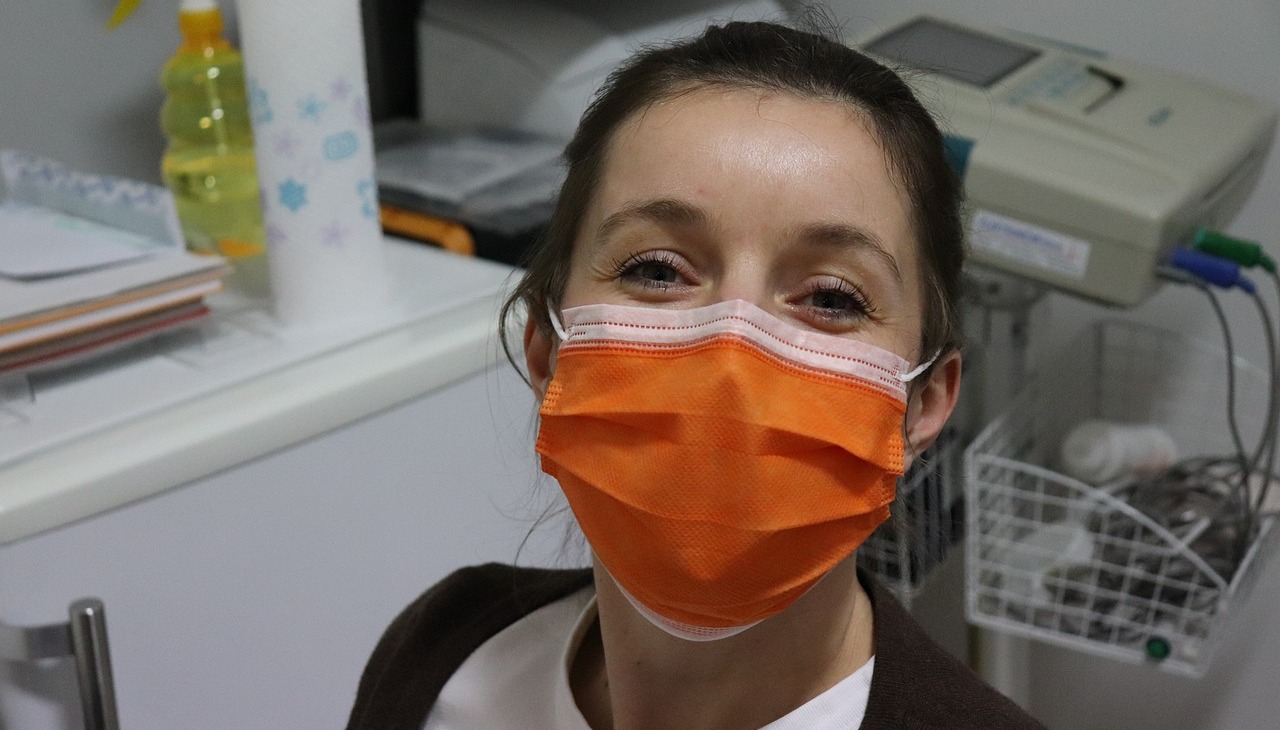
<point>1158,648</point>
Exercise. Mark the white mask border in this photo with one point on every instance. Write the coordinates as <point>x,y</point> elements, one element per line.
<point>563,334</point>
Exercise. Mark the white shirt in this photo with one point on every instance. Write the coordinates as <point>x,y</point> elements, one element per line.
<point>519,680</point>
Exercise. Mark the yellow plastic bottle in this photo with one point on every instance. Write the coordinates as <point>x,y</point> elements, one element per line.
<point>209,162</point>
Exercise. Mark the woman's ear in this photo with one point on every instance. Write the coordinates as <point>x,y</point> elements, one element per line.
<point>932,402</point>
<point>539,357</point>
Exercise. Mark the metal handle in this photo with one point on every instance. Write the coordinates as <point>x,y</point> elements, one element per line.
<point>93,665</point>
<point>84,637</point>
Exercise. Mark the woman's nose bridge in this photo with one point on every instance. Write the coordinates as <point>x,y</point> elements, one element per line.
<point>749,280</point>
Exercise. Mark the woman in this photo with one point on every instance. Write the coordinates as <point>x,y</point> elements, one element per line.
<point>742,325</point>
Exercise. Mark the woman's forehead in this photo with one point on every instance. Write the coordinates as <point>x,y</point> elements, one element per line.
<point>756,158</point>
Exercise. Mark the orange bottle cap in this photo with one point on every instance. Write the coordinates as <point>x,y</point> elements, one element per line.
<point>201,29</point>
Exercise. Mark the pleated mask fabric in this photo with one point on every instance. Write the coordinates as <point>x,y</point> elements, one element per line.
<point>719,460</point>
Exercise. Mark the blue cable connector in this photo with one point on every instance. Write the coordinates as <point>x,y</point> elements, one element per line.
<point>1212,269</point>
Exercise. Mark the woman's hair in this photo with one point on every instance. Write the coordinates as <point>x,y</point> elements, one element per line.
<point>772,58</point>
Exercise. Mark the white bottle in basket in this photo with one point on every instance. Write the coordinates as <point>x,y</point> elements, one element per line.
<point>1103,451</point>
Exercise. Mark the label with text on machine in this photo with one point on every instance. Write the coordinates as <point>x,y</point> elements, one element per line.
<point>1028,244</point>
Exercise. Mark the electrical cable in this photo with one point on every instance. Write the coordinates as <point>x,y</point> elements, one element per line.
<point>1233,423</point>
<point>1247,254</point>
<point>1269,423</point>
<point>1268,442</point>
<point>1238,497</point>
<point>1244,534</point>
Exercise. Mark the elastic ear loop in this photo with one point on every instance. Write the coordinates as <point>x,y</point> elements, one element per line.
<point>555,324</point>
<point>907,378</point>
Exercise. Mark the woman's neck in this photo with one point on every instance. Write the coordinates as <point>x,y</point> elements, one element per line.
<point>633,675</point>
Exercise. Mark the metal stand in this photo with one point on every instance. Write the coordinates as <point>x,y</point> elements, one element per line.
<point>999,323</point>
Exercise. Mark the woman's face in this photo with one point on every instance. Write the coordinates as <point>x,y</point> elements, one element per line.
<point>785,202</point>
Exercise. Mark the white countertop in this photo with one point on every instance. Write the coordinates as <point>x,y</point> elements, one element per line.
<point>239,387</point>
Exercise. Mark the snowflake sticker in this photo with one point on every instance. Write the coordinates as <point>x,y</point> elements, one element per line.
<point>276,234</point>
<point>360,111</point>
<point>285,145</point>
<point>334,234</point>
<point>311,169</point>
<point>311,108</point>
<point>367,189</point>
<point>293,194</point>
<point>340,89</point>
<point>259,103</point>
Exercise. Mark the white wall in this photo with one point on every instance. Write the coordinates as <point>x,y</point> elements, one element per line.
<point>82,94</point>
<point>1232,42</point>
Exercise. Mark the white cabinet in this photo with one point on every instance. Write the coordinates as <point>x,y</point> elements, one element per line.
<point>251,540</point>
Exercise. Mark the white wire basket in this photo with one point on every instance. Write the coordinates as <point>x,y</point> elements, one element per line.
<point>1079,565</point>
<point>927,521</point>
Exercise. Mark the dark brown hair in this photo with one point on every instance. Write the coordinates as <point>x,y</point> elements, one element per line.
<point>772,58</point>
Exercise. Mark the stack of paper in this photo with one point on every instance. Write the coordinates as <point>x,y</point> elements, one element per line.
<point>89,262</point>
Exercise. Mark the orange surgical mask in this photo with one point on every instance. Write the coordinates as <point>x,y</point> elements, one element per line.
<point>719,460</point>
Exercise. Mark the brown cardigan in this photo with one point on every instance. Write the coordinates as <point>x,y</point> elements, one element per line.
<point>915,685</point>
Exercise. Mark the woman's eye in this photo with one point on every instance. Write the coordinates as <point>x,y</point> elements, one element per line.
<point>653,270</point>
<point>837,302</point>
<point>833,300</point>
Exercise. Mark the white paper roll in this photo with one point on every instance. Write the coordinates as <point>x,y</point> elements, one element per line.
<point>304,66</point>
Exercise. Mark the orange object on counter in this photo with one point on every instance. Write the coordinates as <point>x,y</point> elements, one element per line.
<point>447,234</point>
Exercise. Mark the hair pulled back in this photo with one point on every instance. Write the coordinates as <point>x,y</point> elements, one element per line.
<point>772,58</point>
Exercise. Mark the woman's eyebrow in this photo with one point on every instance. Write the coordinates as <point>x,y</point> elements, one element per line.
<point>841,235</point>
<point>662,211</point>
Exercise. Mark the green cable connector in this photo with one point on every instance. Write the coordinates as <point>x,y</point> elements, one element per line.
<point>1246,253</point>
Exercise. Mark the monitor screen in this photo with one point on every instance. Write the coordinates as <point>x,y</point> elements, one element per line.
<point>958,53</point>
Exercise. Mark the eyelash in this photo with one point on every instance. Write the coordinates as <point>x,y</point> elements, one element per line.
<point>626,268</point>
<point>862,306</point>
